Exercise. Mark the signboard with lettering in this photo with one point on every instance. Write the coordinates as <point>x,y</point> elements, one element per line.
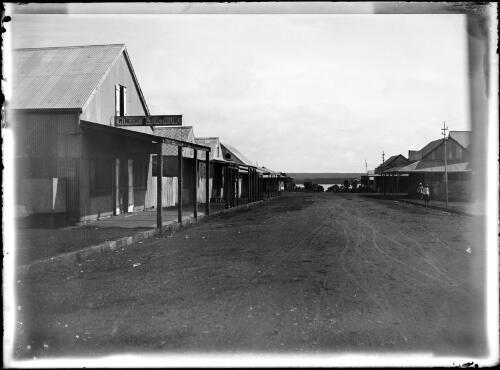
<point>170,120</point>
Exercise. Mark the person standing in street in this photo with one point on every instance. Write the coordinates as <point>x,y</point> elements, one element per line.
<point>426,194</point>
<point>420,191</point>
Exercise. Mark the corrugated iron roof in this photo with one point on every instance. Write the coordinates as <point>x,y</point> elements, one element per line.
<point>420,166</point>
<point>236,154</point>
<point>387,163</point>
<point>60,77</point>
<point>184,133</point>
<point>272,172</point>
<point>389,160</point>
<point>461,137</point>
<point>430,147</point>
<point>213,143</point>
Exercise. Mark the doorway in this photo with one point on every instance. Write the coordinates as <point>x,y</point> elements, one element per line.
<point>124,186</point>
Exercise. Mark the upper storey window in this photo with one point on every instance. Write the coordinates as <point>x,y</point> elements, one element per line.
<point>120,100</point>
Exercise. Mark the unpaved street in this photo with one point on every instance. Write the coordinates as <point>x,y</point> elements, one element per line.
<point>305,272</point>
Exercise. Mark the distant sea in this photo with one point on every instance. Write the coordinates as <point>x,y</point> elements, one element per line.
<point>325,186</point>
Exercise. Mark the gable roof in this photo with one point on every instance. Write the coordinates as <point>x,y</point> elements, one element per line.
<point>461,137</point>
<point>387,163</point>
<point>430,147</point>
<point>213,143</point>
<point>183,133</point>
<point>270,171</point>
<point>236,155</point>
<point>63,77</point>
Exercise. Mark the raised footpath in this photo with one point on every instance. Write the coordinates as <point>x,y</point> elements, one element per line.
<point>72,259</point>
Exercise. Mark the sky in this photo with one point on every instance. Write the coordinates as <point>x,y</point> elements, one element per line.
<point>293,92</point>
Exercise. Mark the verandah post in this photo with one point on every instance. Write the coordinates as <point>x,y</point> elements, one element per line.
<point>226,187</point>
<point>249,185</point>
<point>207,183</point>
<point>179,184</point>
<point>195,187</point>
<point>159,187</point>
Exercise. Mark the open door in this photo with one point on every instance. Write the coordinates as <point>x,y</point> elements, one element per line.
<point>116,190</point>
<point>123,182</point>
<point>130,198</point>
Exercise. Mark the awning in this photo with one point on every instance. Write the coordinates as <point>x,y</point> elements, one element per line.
<point>86,125</point>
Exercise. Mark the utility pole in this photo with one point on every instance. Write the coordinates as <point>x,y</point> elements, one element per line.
<point>366,167</point>
<point>383,177</point>
<point>443,130</point>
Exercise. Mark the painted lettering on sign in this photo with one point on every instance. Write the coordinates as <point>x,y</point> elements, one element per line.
<point>170,120</point>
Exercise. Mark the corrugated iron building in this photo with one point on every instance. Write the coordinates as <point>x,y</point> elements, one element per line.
<point>387,179</point>
<point>216,161</point>
<point>170,165</point>
<point>430,167</point>
<point>62,96</point>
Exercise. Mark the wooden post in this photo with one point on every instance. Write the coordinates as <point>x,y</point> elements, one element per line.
<point>207,183</point>
<point>267,187</point>
<point>226,187</point>
<point>115,187</point>
<point>233,200</point>
<point>249,185</point>
<point>237,186</point>
<point>255,176</point>
<point>179,184</point>
<point>230,185</point>
<point>253,185</point>
<point>445,173</point>
<point>159,187</point>
<point>195,187</point>
<point>259,186</point>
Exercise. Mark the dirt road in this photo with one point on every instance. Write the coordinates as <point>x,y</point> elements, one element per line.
<point>305,272</point>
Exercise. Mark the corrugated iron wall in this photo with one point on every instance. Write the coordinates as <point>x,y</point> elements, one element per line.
<point>168,195</point>
<point>48,144</point>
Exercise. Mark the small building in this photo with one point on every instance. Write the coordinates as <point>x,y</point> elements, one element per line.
<point>170,165</point>
<point>217,163</point>
<point>389,180</point>
<point>429,167</point>
<point>368,181</point>
<point>273,182</point>
<point>244,176</point>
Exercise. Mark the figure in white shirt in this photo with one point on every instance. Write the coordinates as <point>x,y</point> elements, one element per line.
<point>426,193</point>
<point>420,191</point>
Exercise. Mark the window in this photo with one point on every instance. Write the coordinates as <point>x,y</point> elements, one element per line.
<point>140,174</point>
<point>164,165</point>
<point>450,153</point>
<point>101,176</point>
<point>120,100</point>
